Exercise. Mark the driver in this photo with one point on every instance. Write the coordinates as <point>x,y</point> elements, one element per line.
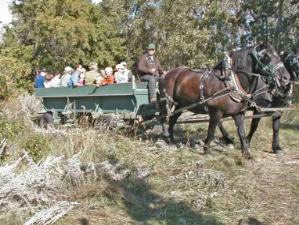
<point>150,69</point>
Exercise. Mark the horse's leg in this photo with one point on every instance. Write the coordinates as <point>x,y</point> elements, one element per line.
<point>172,121</point>
<point>253,127</point>
<point>164,128</point>
<point>163,104</point>
<point>215,116</point>
<point>227,138</point>
<point>239,121</point>
<point>276,125</point>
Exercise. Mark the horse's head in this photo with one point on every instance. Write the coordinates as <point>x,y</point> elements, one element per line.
<point>268,64</point>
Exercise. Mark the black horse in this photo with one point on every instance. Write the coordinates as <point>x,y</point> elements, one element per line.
<point>267,99</point>
<point>206,91</point>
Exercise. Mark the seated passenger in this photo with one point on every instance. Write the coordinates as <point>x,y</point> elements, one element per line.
<point>66,77</point>
<point>120,75</point>
<point>108,77</point>
<point>92,75</point>
<point>127,71</point>
<point>40,79</point>
<point>55,82</point>
<point>75,77</point>
<point>48,79</point>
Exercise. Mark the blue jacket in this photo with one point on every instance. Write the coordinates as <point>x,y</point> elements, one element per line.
<point>74,79</point>
<point>39,82</point>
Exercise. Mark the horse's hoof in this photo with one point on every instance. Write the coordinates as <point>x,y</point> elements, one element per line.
<point>230,147</point>
<point>247,155</point>
<point>207,151</point>
<point>278,151</point>
<point>229,141</point>
<point>170,141</point>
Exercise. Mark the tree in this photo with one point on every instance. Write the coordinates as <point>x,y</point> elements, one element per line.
<point>15,67</point>
<point>275,20</point>
<point>62,32</point>
<point>187,32</point>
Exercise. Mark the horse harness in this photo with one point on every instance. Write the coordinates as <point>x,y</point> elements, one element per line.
<point>233,87</point>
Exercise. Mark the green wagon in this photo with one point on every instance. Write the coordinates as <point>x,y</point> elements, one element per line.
<point>129,100</point>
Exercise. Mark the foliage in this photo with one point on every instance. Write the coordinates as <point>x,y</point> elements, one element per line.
<point>37,145</point>
<point>65,33</point>
<point>282,21</point>
<point>15,65</point>
<point>9,129</point>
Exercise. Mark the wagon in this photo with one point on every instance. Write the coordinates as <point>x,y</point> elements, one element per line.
<point>128,100</point>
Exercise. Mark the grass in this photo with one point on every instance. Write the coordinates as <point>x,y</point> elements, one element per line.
<point>184,186</point>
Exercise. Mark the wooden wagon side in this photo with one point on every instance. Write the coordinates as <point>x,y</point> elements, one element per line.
<point>129,100</point>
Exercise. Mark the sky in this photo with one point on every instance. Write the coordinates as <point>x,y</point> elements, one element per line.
<point>5,16</point>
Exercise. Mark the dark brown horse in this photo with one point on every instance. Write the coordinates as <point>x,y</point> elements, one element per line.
<point>184,87</point>
<point>268,99</point>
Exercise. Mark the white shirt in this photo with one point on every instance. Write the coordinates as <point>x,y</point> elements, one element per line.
<point>121,77</point>
<point>55,82</point>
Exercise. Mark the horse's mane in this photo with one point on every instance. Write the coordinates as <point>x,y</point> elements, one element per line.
<point>240,57</point>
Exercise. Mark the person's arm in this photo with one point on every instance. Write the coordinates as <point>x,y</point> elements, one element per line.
<point>129,74</point>
<point>76,80</point>
<point>116,77</point>
<point>111,79</point>
<point>159,67</point>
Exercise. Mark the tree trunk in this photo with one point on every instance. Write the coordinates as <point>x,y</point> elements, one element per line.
<point>278,24</point>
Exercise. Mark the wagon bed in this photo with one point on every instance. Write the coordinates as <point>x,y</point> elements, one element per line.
<point>128,99</point>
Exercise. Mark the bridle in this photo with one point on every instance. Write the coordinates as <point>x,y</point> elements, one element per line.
<point>268,69</point>
<point>269,72</point>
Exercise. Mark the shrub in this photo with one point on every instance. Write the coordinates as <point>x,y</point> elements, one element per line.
<point>9,129</point>
<point>37,145</point>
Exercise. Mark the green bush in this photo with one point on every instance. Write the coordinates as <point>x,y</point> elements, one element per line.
<point>37,145</point>
<point>9,129</point>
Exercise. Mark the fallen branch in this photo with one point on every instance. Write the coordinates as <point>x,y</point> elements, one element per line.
<point>3,145</point>
<point>52,214</point>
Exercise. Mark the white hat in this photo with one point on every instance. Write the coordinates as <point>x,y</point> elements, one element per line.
<point>108,70</point>
<point>123,64</point>
<point>119,66</point>
<point>68,69</point>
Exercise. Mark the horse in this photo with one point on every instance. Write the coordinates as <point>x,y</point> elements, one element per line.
<point>269,100</point>
<point>207,92</point>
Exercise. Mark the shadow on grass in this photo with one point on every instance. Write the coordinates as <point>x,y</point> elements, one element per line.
<point>145,206</point>
<point>251,221</point>
<point>290,126</point>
